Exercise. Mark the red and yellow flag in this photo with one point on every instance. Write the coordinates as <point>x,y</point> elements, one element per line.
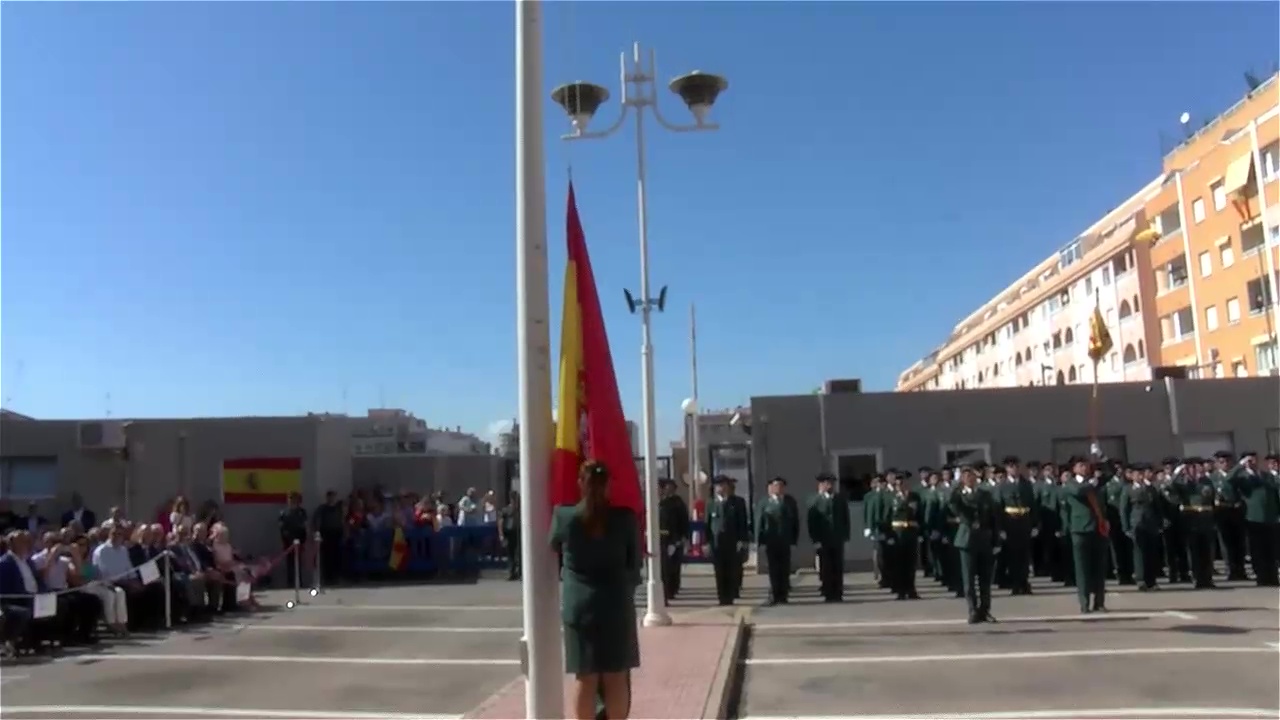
<point>590,423</point>
<point>399,550</point>
<point>264,481</point>
<point>1099,337</point>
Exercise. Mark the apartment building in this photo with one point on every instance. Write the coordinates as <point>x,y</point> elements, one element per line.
<point>1183,272</point>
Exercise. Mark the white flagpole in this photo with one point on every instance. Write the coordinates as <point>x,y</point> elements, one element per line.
<point>544,664</point>
<point>695,454</point>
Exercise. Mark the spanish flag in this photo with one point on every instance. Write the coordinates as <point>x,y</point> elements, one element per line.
<point>590,424</point>
<point>399,550</point>
<point>262,481</point>
<point>1099,337</point>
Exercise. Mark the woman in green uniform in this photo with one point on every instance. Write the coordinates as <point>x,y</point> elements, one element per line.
<point>599,547</point>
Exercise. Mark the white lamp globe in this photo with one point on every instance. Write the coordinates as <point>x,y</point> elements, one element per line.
<point>689,406</point>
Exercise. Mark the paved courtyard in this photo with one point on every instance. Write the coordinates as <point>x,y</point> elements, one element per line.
<point>1172,653</point>
<point>422,652</point>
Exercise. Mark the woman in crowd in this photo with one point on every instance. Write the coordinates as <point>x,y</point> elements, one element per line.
<point>180,514</point>
<point>599,546</point>
<point>229,564</point>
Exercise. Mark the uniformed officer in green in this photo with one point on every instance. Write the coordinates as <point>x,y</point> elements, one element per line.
<point>1229,515</point>
<point>1262,514</point>
<point>1088,526</point>
<point>1021,524</point>
<point>1046,562</point>
<point>872,503</point>
<point>933,522</point>
<point>673,531</point>
<point>728,531</point>
<point>828,522</point>
<point>293,526</point>
<point>1066,554</point>
<point>1121,547</point>
<point>978,522</point>
<point>777,531</point>
<point>926,550</point>
<point>599,549</point>
<point>1173,491</point>
<point>1141,521</point>
<point>904,526</point>
<point>1196,497</point>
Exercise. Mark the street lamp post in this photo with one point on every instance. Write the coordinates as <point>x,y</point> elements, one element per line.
<point>580,100</point>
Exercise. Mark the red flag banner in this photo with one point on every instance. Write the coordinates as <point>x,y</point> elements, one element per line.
<point>590,423</point>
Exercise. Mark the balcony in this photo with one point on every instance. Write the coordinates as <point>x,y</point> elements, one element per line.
<point>1178,326</point>
<point>1172,276</point>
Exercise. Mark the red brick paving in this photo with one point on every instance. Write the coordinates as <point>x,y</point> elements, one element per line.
<point>677,669</point>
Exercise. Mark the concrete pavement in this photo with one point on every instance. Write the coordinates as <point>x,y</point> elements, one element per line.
<point>1173,653</point>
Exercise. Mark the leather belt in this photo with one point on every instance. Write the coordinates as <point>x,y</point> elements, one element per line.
<point>900,524</point>
<point>953,521</point>
<point>1195,508</point>
<point>1017,510</point>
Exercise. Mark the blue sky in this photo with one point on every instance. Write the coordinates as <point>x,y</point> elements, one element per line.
<point>271,208</point>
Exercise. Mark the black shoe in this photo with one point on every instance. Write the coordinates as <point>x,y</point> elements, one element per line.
<point>1097,607</point>
<point>1084,610</point>
<point>913,596</point>
<point>902,596</point>
<point>959,594</point>
<point>974,618</point>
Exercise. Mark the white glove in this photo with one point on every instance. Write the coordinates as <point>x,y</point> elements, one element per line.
<point>742,546</point>
<point>1057,533</point>
<point>997,550</point>
<point>1178,470</point>
<point>891,541</point>
<point>946,541</point>
<point>1004,535</point>
<point>1035,532</point>
<point>671,550</point>
<point>866,533</point>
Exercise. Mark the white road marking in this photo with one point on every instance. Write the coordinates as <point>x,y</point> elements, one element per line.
<point>216,712</point>
<point>1093,617</point>
<point>403,608</point>
<point>10,677</point>
<point>1275,645</point>
<point>1053,714</point>
<point>365,628</point>
<point>113,656</point>
<point>1109,652</point>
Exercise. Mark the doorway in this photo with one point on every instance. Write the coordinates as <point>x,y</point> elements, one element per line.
<point>853,469</point>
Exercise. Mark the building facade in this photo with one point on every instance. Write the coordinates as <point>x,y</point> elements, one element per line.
<point>1196,293</point>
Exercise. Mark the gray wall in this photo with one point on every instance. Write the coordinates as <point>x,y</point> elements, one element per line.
<point>450,474</point>
<point>908,430</point>
<point>172,457</point>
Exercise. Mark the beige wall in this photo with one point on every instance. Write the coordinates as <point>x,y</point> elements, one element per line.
<point>908,430</point>
<point>450,474</point>
<point>171,457</point>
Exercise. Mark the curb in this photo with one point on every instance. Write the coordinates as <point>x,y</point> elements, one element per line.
<point>728,671</point>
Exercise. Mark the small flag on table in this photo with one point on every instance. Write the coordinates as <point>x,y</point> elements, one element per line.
<point>399,550</point>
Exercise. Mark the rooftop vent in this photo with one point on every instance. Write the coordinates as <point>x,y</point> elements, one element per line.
<point>842,387</point>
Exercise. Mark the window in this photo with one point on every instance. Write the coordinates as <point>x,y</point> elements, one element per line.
<point>1125,311</point>
<point>1070,254</point>
<point>1106,275</point>
<point>1211,318</point>
<point>1206,264</point>
<point>1175,274</point>
<point>29,478</point>
<point>1238,369</point>
<point>1197,210</point>
<point>1270,161</point>
<point>1088,286</point>
<point>1219,195</point>
<point>1114,361</point>
<point>1130,355</point>
<point>1057,340</point>
<point>1110,317</point>
<point>1178,325</point>
<point>1226,256</point>
<point>1259,292</point>
<point>1233,311</point>
<point>1264,357</point>
<point>1168,222</point>
<point>1251,238</point>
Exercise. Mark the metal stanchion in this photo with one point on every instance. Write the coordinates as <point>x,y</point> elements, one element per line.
<point>315,575</point>
<point>297,573</point>
<point>168,590</point>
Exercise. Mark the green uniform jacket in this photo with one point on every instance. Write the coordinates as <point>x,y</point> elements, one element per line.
<point>829,519</point>
<point>871,511</point>
<point>1064,507</point>
<point>1018,502</point>
<point>934,515</point>
<point>1115,491</point>
<point>673,519</point>
<point>1228,494</point>
<point>1259,490</point>
<point>979,519</point>
<point>905,508</point>
<point>727,522</point>
<point>1141,509</point>
<point>1079,497</point>
<point>777,522</point>
<point>1047,505</point>
<point>1197,498</point>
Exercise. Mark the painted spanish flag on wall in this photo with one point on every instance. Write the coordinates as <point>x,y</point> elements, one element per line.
<point>590,423</point>
<point>263,481</point>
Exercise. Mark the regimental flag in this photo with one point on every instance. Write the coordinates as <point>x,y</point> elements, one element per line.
<point>262,481</point>
<point>590,423</point>
<point>1099,337</point>
<point>399,550</point>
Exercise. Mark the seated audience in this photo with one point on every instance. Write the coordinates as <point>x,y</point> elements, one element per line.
<point>192,577</point>
<point>20,582</point>
<point>116,567</point>
<point>233,570</point>
<point>115,608</point>
<point>78,611</point>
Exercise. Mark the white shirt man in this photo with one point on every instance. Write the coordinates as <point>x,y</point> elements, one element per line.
<point>112,560</point>
<point>54,568</point>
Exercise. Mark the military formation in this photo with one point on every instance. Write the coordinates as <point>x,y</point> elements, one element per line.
<point>977,526</point>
